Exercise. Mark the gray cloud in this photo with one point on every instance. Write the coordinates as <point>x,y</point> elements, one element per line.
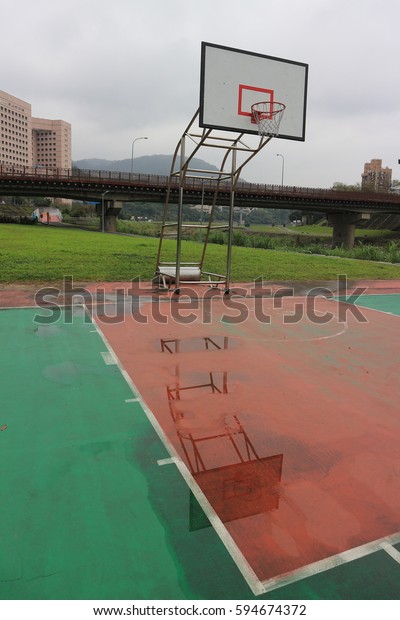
<point>124,69</point>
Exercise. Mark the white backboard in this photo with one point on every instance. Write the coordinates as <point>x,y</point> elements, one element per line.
<point>232,80</point>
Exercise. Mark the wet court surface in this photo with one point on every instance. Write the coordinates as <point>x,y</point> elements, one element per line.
<point>217,451</point>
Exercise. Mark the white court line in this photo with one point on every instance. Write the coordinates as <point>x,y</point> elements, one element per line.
<point>334,561</point>
<point>132,400</point>
<point>108,358</point>
<point>170,461</point>
<point>391,551</point>
<point>289,339</point>
<point>373,309</point>
<point>232,548</point>
<point>341,301</point>
<point>18,307</point>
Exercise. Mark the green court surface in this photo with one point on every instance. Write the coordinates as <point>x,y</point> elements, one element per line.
<point>89,506</point>
<point>385,303</point>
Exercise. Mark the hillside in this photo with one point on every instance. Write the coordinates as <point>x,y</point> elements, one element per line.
<point>148,164</point>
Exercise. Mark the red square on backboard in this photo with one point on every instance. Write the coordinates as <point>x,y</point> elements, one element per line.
<point>247,96</point>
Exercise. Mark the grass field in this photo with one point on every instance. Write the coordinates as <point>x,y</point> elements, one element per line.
<point>316,230</point>
<point>47,254</point>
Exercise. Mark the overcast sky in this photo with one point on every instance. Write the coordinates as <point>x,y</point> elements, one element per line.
<point>120,69</point>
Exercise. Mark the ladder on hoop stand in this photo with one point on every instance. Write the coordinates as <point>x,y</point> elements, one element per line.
<point>182,177</point>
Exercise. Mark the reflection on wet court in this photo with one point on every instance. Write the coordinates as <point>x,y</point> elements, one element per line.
<point>285,434</point>
<point>221,457</point>
<point>233,457</point>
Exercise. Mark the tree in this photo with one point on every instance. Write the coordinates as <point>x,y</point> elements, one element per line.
<point>342,187</point>
<point>42,202</point>
<point>295,216</point>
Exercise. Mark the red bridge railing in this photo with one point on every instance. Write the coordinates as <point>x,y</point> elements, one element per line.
<point>209,184</point>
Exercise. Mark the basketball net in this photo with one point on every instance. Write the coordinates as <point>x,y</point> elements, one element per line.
<point>267,115</point>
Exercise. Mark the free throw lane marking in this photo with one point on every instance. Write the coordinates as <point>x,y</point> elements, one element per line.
<point>244,567</point>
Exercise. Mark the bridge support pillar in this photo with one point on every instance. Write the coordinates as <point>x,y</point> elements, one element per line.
<point>344,227</point>
<point>109,210</point>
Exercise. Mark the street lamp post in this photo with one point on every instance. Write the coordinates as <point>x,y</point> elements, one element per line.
<point>133,144</point>
<point>283,166</point>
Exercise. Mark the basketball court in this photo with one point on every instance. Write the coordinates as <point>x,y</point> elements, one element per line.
<point>248,451</point>
<point>287,430</point>
<point>176,441</point>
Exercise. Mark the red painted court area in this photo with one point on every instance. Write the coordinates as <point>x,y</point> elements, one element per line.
<point>283,416</point>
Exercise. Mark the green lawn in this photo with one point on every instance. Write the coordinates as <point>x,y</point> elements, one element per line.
<point>316,230</point>
<point>46,254</point>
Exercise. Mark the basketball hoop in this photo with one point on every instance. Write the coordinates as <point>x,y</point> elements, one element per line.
<point>267,115</point>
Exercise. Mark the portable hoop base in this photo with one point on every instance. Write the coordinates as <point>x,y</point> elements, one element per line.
<point>166,275</point>
<point>211,183</point>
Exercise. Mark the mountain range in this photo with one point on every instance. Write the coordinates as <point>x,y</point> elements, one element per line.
<point>148,164</point>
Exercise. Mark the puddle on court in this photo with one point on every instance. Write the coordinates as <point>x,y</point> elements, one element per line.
<point>235,478</point>
<point>214,382</point>
<point>65,373</point>
<point>238,491</point>
<point>191,345</point>
<point>47,331</point>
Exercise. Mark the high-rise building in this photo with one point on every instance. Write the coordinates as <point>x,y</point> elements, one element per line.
<point>376,178</point>
<point>15,131</point>
<point>51,143</point>
<point>28,141</point>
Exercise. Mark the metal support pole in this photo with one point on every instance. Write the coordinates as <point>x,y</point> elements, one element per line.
<point>180,219</point>
<point>167,272</point>
<point>202,210</point>
<point>230,229</point>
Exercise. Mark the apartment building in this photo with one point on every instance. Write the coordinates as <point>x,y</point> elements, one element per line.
<point>15,131</point>
<point>51,143</point>
<point>29,141</point>
<point>375,177</point>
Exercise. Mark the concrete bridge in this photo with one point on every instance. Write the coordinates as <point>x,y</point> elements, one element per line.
<point>111,189</point>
